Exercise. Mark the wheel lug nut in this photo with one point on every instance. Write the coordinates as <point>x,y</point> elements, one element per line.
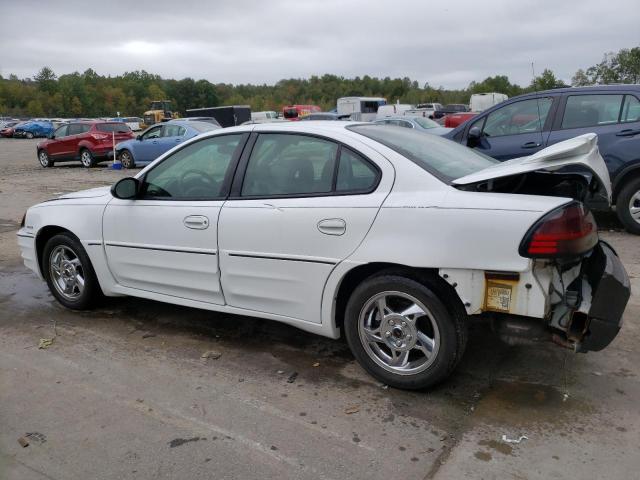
<point>387,334</point>
<point>404,324</point>
<point>391,322</point>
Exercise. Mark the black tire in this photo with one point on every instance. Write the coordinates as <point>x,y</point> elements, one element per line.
<point>90,292</point>
<point>126,159</point>
<point>451,325</point>
<point>629,197</point>
<point>86,158</point>
<point>44,159</point>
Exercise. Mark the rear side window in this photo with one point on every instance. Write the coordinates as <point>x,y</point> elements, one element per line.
<point>113,127</point>
<point>283,164</point>
<point>173,131</point>
<point>630,109</point>
<point>591,110</point>
<point>354,173</point>
<point>75,129</point>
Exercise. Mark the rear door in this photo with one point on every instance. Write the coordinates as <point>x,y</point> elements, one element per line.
<point>300,204</point>
<point>517,129</point>
<point>614,116</point>
<point>74,135</point>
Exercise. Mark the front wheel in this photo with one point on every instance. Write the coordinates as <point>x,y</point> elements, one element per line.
<point>29,135</point>
<point>401,332</point>
<point>126,159</point>
<point>69,272</point>
<point>87,159</point>
<point>43,158</point>
<point>628,206</point>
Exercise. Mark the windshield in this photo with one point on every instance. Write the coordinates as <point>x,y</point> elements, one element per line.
<point>445,159</point>
<point>425,122</point>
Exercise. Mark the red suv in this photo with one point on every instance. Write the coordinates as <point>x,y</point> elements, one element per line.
<point>89,142</point>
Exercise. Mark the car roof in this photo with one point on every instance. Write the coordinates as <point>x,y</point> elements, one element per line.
<point>591,88</point>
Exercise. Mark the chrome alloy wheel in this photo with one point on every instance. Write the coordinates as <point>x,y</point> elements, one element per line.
<point>85,158</point>
<point>399,333</point>
<point>66,272</point>
<point>634,206</point>
<point>44,158</point>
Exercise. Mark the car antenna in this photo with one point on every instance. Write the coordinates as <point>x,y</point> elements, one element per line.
<point>535,89</point>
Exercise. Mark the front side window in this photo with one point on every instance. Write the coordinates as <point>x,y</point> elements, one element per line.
<point>61,132</point>
<point>283,164</point>
<point>526,116</point>
<point>630,109</point>
<point>591,110</point>
<point>194,172</point>
<point>153,132</point>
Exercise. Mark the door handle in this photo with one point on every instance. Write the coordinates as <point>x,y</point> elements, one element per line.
<point>178,140</point>
<point>196,222</point>
<point>627,133</point>
<point>530,145</point>
<point>155,141</point>
<point>332,226</point>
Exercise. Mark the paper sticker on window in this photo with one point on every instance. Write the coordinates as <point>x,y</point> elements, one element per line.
<point>498,297</point>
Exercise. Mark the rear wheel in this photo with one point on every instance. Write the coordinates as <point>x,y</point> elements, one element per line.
<point>69,272</point>
<point>43,158</point>
<point>126,159</point>
<point>87,158</point>
<point>401,332</point>
<point>628,206</point>
<point>29,135</point>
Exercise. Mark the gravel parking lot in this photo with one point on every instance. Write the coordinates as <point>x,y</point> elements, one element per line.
<point>138,389</point>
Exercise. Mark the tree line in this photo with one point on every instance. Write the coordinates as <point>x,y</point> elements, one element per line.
<point>89,94</point>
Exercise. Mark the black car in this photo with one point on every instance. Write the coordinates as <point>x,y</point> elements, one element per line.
<point>528,123</point>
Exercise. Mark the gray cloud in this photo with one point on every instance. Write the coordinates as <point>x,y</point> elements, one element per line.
<point>251,41</point>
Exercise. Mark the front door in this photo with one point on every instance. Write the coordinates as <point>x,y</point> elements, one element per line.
<point>57,146</point>
<point>304,205</point>
<point>515,130</point>
<point>166,240</point>
<point>148,148</point>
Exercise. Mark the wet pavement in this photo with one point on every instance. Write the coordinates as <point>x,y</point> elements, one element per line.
<point>140,389</point>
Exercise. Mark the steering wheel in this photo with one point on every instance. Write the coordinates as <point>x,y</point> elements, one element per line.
<point>202,184</point>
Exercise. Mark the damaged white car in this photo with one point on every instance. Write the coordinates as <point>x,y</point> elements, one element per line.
<point>395,238</point>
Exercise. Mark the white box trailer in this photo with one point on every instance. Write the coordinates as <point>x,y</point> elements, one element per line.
<point>481,101</point>
<point>360,108</point>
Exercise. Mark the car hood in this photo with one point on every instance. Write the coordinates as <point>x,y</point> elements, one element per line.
<point>90,193</point>
<point>579,151</point>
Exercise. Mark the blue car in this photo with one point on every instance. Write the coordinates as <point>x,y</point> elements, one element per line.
<point>528,123</point>
<point>33,129</point>
<point>422,124</point>
<point>158,139</point>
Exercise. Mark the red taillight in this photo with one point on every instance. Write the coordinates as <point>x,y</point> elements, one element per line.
<point>565,232</point>
<point>100,136</point>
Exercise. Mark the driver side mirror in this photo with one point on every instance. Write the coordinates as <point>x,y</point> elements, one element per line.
<point>474,136</point>
<point>126,189</point>
<point>51,136</point>
<point>138,137</point>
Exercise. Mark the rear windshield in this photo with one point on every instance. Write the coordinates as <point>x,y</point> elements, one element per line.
<point>113,127</point>
<point>445,159</point>
<point>204,126</point>
<point>426,122</point>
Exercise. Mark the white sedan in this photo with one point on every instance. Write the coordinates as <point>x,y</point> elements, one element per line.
<point>396,238</point>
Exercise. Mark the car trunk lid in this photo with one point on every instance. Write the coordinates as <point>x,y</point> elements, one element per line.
<point>574,157</point>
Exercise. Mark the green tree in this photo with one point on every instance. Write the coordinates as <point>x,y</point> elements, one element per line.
<point>46,80</point>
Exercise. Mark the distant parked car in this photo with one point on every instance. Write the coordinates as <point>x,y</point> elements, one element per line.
<point>33,129</point>
<point>201,119</point>
<point>451,108</point>
<point>325,116</point>
<point>528,123</point>
<point>8,128</point>
<point>418,123</point>
<point>134,123</point>
<point>158,139</point>
<point>89,142</point>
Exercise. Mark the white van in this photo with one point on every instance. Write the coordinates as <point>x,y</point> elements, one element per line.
<point>393,109</point>
<point>360,108</point>
<point>482,101</point>
<point>263,117</point>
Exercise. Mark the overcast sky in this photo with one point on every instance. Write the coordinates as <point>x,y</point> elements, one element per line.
<point>448,43</point>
